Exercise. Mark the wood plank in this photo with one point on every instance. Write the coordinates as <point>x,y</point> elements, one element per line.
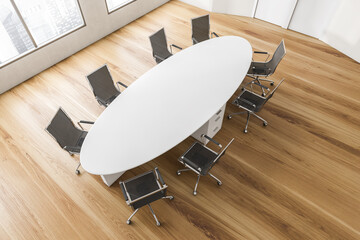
<point>298,178</point>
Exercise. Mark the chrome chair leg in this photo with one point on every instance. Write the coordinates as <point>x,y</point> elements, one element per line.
<point>263,120</point>
<point>178,172</point>
<point>77,171</point>
<point>196,185</point>
<point>169,197</point>
<point>218,180</point>
<point>267,80</point>
<point>258,81</point>
<point>129,219</point>
<point>249,82</point>
<point>265,123</point>
<point>157,221</point>
<point>243,87</point>
<point>247,123</point>
<point>236,113</point>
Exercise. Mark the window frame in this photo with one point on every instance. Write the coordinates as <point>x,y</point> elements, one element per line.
<point>44,44</point>
<point>118,7</point>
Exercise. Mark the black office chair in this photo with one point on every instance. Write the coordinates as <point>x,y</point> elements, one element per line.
<point>267,68</point>
<point>143,190</point>
<point>200,159</point>
<point>69,137</point>
<point>159,46</point>
<point>201,29</point>
<point>103,87</point>
<point>252,103</point>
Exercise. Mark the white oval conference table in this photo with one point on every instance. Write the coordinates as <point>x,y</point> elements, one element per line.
<point>165,106</point>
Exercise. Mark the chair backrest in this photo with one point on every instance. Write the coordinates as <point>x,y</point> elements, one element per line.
<point>273,91</point>
<point>159,44</point>
<point>63,129</point>
<point>277,56</point>
<point>200,28</point>
<point>222,153</point>
<point>102,83</point>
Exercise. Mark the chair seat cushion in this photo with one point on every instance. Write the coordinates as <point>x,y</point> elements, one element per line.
<point>259,68</point>
<point>199,156</point>
<point>250,97</point>
<point>141,185</point>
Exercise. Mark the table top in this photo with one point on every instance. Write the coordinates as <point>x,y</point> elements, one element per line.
<point>166,105</point>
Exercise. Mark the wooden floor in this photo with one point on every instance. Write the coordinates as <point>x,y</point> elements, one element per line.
<point>298,178</point>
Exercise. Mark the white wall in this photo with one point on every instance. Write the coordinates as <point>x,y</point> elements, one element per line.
<point>98,24</point>
<point>343,31</point>
<point>235,7</point>
<point>278,12</point>
<point>311,17</point>
<point>338,25</point>
<point>204,4</point>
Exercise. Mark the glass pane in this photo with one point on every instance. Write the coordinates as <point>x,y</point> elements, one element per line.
<point>47,19</point>
<point>14,39</point>
<point>113,4</point>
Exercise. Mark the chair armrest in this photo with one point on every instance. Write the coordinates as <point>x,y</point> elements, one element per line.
<point>122,84</point>
<point>215,34</point>
<point>158,176</point>
<point>72,149</point>
<point>85,122</point>
<point>123,190</point>
<point>210,139</point>
<point>259,52</point>
<point>176,46</point>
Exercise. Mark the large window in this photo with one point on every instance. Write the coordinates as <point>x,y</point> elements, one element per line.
<point>28,24</point>
<point>113,5</point>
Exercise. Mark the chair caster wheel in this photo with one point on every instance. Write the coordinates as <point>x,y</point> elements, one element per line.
<point>245,131</point>
<point>178,173</point>
<point>242,89</point>
<point>171,198</point>
<point>263,94</point>
<point>158,224</point>
<point>219,183</point>
<point>229,117</point>
<point>272,83</point>
<point>77,172</point>
<point>265,124</point>
<point>195,193</point>
<point>128,222</point>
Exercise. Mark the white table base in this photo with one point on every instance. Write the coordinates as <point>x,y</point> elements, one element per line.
<point>211,127</point>
<point>111,178</point>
